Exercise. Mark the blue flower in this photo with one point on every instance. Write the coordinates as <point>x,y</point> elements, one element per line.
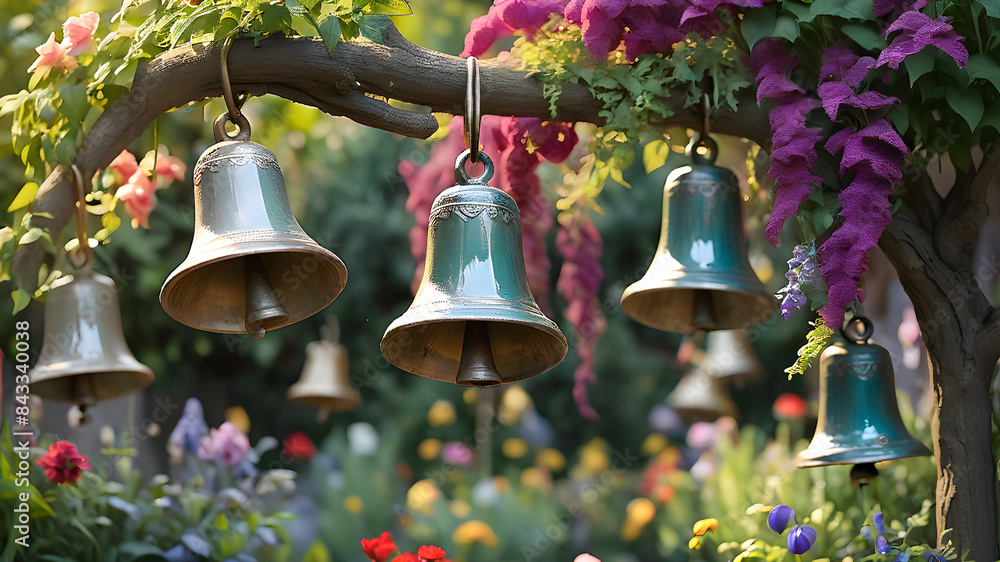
<point>902,557</point>
<point>879,522</point>
<point>779,517</point>
<point>882,545</point>
<point>800,539</point>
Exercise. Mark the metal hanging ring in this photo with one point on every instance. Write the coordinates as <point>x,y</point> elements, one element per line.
<point>472,113</point>
<point>227,87</point>
<point>221,134</point>
<point>704,157</point>
<point>858,329</point>
<point>463,178</point>
<point>81,219</point>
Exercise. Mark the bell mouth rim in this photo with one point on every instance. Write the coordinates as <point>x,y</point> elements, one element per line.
<point>145,377</point>
<point>549,329</point>
<point>763,307</point>
<point>874,455</point>
<point>193,264</point>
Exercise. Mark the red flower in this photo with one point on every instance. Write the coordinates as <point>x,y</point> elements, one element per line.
<point>406,557</point>
<point>298,446</point>
<point>62,463</point>
<point>378,549</point>
<point>430,553</point>
<point>790,406</point>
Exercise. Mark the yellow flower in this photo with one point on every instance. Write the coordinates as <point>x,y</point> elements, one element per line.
<point>237,416</point>
<point>640,511</point>
<point>694,543</point>
<point>472,531</point>
<point>653,444</point>
<point>429,449</point>
<point>460,509</point>
<point>551,459</point>
<point>514,448</point>
<point>441,413</point>
<point>706,525</point>
<point>354,504</point>
<point>422,495</point>
<point>514,402</point>
<point>537,477</point>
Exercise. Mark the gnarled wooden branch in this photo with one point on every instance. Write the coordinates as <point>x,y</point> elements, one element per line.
<point>300,70</point>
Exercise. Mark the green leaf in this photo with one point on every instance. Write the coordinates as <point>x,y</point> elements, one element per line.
<point>30,236</point>
<point>329,30</point>
<point>390,8</point>
<point>275,18</point>
<point>985,68</point>
<point>74,104</point>
<point>655,154</point>
<point>992,7</point>
<point>786,27</point>
<point>24,197</point>
<point>229,21</point>
<point>865,36</point>
<point>317,553</point>
<point>969,104</point>
<point>374,28</point>
<point>758,24</point>
<point>919,64</point>
<point>131,551</point>
<point>21,300</point>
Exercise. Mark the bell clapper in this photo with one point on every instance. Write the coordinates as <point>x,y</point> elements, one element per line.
<point>477,367</point>
<point>703,311</point>
<point>264,309</point>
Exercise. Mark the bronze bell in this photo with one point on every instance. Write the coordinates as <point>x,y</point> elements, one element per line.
<point>859,420</point>
<point>251,268</point>
<point>730,354</point>
<point>473,321</point>
<point>325,382</point>
<point>702,396</point>
<point>700,277</point>
<point>84,358</point>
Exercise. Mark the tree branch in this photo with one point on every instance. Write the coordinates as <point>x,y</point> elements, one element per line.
<point>301,70</point>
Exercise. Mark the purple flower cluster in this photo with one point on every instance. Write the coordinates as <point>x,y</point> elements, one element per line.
<point>800,538</point>
<point>642,26</point>
<point>802,270</point>
<point>918,30</point>
<point>793,145</point>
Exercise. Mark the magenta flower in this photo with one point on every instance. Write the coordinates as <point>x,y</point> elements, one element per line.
<point>226,445</point>
<point>918,30</point>
<point>699,8</point>
<point>793,145</point>
<point>779,517</point>
<point>504,18</point>
<point>800,539</point>
<point>883,7</point>
<point>646,26</point>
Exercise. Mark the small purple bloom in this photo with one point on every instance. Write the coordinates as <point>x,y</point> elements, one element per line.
<point>458,454</point>
<point>879,522</point>
<point>800,539</point>
<point>918,30</point>
<point>187,435</point>
<point>226,445</point>
<point>882,545</point>
<point>779,518</point>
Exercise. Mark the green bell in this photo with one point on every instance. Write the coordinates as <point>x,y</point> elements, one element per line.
<point>474,321</point>
<point>859,420</point>
<point>700,278</point>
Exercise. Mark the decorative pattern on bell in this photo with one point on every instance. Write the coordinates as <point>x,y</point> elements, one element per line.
<point>326,377</point>
<point>859,420</point>
<point>84,357</point>
<point>251,268</point>
<point>700,277</point>
<point>474,321</point>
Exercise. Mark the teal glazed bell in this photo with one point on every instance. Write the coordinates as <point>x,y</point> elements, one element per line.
<point>474,321</point>
<point>700,277</point>
<point>859,420</point>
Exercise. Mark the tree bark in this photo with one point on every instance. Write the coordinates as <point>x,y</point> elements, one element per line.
<point>932,255</point>
<point>927,244</point>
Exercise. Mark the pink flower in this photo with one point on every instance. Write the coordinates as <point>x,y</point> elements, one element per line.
<point>52,55</point>
<point>139,197</point>
<point>226,445</point>
<point>62,463</point>
<point>504,18</point>
<point>458,454</point>
<point>78,31</point>
<point>168,168</point>
<point>124,165</point>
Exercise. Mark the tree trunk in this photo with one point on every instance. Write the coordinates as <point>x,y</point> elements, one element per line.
<point>930,245</point>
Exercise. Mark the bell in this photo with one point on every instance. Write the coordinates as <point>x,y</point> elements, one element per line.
<point>251,268</point>
<point>326,377</point>
<point>473,321</point>
<point>84,358</point>
<point>700,277</point>
<point>701,396</point>
<point>730,354</point>
<point>859,420</point>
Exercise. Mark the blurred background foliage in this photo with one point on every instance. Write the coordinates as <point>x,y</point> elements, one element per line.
<point>346,192</point>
